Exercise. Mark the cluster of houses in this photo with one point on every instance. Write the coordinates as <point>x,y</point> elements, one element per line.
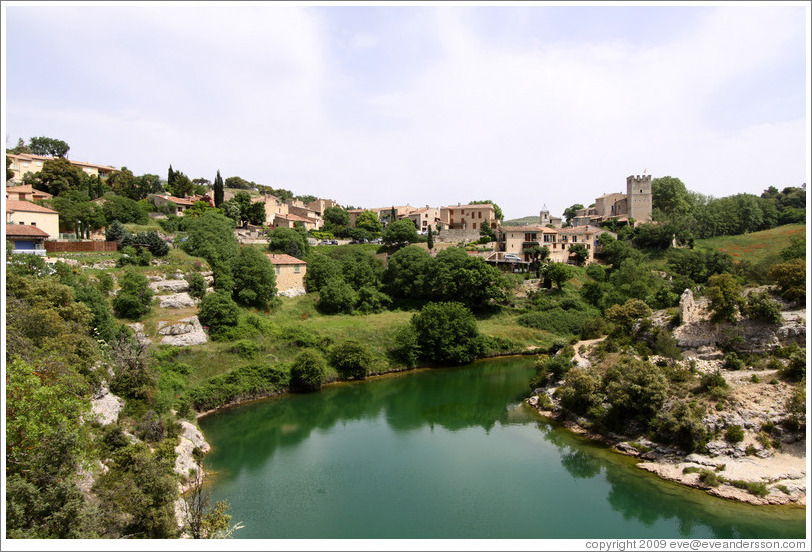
<point>29,225</point>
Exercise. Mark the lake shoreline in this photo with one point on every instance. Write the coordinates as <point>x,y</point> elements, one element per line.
<point>781,469</point>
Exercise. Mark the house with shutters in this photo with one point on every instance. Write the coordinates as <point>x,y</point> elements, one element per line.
<point>290,274</point>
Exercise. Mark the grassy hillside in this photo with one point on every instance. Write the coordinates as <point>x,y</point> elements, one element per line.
<point>524,221</point>
<point>756,246</point>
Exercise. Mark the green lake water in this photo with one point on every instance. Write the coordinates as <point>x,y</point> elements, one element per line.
<point>447,453</point>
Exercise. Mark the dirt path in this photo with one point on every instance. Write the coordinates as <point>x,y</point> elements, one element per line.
<point>586,344</point>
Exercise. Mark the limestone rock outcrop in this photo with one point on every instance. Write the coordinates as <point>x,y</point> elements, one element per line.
<point>187,331</point>
<point>176,301</point>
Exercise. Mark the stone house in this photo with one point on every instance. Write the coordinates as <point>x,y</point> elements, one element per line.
<point>634,204</point>
<point>424,217</point>
<point>468,217</point>
<point>515,239</point>
<point>318,206</point>
<point>31,214</point>
<point>290,273</point>
<point>273,207</point>
<point>292,221</point>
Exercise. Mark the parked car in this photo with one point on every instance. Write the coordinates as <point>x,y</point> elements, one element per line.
<point>510,257</point>
<point>377,240</point>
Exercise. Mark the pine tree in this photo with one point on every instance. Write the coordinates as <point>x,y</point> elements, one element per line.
<point>218,190</point>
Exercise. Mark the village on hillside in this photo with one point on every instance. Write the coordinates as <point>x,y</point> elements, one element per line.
<point>35,228</point>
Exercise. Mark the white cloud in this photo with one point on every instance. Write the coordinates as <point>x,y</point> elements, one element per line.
<point>257,92</point>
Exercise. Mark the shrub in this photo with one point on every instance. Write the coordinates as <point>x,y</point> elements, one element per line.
<point>635,389</point>
<point>725,295</point>
<point>244,349</point>
<point>710,478</point>
<point>351,359</point>
<point>197,285</point>
<point>307,371</point>
<point>682,425</point>
<point>733,362</point>
<point>408,348</point>
<point>759,306</point>
<point>336,296</point>
<point>795,370</point>
<point>251,381</point>
<point>734,434</point>
<point>556,320</point>
<point>447,333</point>
<point>254,278</point>
<point>134,297</point>
<point>370,300</point>
<point>581,392</point>
<point>218,311</point>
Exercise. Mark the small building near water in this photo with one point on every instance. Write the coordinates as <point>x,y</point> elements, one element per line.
<point>290,273</point>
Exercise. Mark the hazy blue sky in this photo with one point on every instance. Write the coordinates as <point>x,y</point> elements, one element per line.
<point>381,105</point>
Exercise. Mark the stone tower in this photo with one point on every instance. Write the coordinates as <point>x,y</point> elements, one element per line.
<point>638,197</point>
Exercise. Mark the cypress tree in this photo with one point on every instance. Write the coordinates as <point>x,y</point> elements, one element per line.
<point>218,190</point>
<point>170,181</point>
<point>430,239</point>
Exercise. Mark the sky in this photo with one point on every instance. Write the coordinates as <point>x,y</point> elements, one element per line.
<point>528,105</point>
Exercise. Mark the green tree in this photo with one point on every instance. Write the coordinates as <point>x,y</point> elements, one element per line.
<point>135,296</point>
<point>569,212</point>
<point>759,306</point>
<point>42,145</point>
<point>400,233</point>
<point>124,210</point>
<point>791,279</point>
<point>537,256</point>
<point>235,182</point>
<point>335,217</point>
<point>582,391</point>
<point>211,236</point>
<point>670,196</point>
<point>320,269</point>
<point>180,185</point>
<point>219,191</point>
<point>254,278</point>
<point>457,276</point>
<point>124,183</point>
<point>579,253</point>
<point>289,241</point>
<point>558,273</point>
<point>351,359</point>
<point>725,295</point>
<point>430,238</point>
<point>308,371</point>
<point>625,316</point>
<point>635,389</point>
<point>337,296</point>
<point>406,276</point>
<point>218,311</point>
<point>147,184</point>
<point>58,176</point>
<point>447,333</point>
<point>9,172</point>
<point>369,221</point>
<point>44,440</point>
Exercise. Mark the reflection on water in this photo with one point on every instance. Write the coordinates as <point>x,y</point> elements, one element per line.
<point>447,453</point>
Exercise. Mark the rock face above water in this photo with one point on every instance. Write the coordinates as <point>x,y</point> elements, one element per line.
<point>187,331</point>
<point>190,438</point>
<point>697,332</point>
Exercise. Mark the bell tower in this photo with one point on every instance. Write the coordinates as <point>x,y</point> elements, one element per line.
<point>638,197</point>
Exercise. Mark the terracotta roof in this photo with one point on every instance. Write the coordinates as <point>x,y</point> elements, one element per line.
<point>477,206</point>
<point>295,218</point>
<point>25,230</point>
<point>180,200</point>
<point>27,189</point>
<point>33,157</point>
<point>586,229</point>
<point>283,259</point>
<point>17,205</point>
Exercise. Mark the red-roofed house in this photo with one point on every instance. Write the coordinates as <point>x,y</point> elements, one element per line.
<point>31,214</point>
<point>180,204</point>
<point>27,238</point>
<point>292,221</point>
<point>290,273</point>
<point>26,193</point>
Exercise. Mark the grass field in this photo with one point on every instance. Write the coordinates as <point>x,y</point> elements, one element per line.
<point>755,246</point>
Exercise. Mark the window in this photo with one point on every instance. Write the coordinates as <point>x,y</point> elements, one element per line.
<point>297,269</point>
<point>480,214</point>
<point>33,224</point>
<point>473,226</point>
<point>277,269</point>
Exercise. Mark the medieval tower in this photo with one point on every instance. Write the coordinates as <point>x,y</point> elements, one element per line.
<point>638,197</point>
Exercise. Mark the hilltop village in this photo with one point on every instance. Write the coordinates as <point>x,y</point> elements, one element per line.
<point>668,324</point>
